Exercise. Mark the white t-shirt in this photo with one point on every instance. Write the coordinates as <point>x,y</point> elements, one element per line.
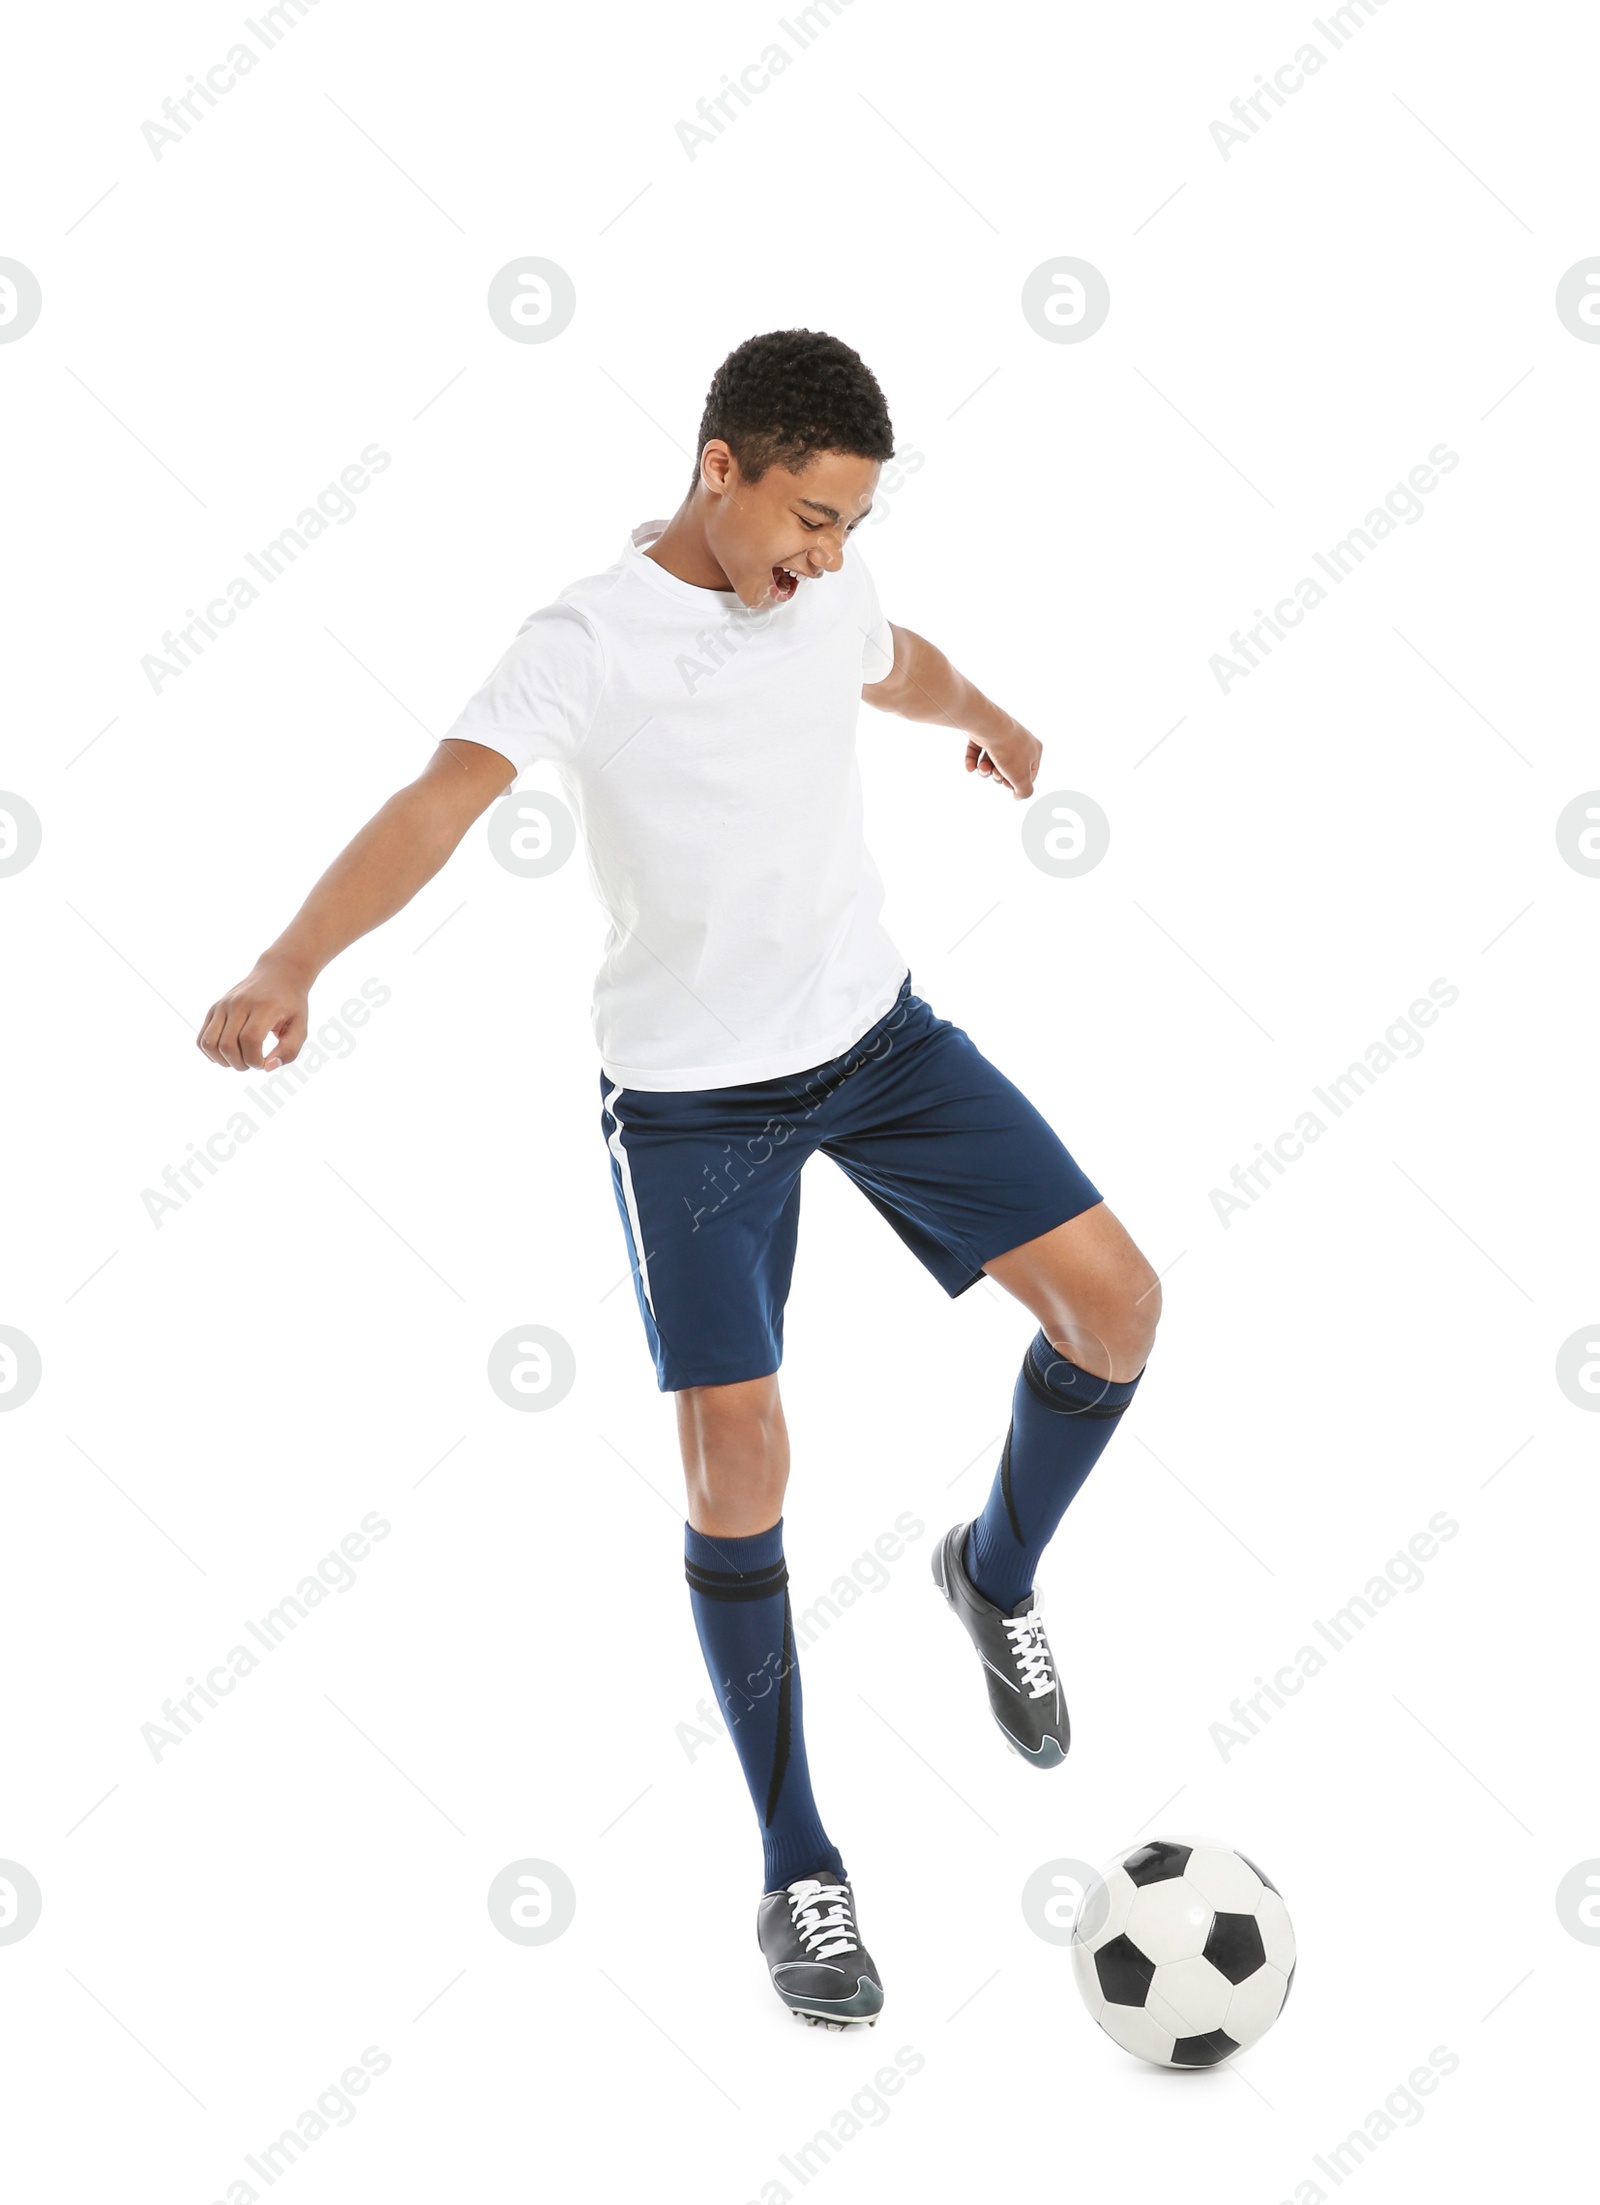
<point>709,751</point>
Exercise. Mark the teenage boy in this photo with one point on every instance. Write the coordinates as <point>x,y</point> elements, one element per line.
<point>699,701</point>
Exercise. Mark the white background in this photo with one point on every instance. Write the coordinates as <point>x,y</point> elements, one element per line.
<point>226,1395</point>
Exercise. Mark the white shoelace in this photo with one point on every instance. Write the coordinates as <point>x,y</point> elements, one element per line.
<point>1031,1653</point>
<point>822,1933</point>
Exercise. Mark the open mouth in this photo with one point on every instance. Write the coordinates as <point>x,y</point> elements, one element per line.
<point>784,584</point>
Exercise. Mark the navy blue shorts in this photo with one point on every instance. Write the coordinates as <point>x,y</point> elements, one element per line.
<point>707,1182</point>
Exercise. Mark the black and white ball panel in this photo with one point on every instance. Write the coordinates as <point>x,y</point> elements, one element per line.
<point>1183,1952</point>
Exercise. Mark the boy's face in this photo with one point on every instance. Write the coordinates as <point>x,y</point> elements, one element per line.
<point>756,530</point>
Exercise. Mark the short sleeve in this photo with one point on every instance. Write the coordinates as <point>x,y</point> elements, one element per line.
<point>540,701</point>
<point>877,638</point>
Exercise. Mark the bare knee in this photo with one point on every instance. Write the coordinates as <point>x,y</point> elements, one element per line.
<point>1143,1312</point>
<point>1113,1329</point>
<point>735,1447</point>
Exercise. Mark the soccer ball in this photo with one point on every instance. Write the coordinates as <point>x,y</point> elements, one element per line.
<point>1183,1951</point>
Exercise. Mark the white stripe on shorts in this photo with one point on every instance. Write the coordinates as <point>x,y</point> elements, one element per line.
<point>614,1143</point>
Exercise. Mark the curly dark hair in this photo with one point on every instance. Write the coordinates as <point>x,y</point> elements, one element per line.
<point>783,397</point>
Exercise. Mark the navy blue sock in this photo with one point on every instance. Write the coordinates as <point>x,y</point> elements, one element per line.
<point>1061,1419</point>
<point>739,1591</point>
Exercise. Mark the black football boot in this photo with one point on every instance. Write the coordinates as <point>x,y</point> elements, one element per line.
<point>1019,1671</point>
<point>819,1966</point>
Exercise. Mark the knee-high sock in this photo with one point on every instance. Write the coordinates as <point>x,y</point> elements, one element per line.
<point>739,1591</point>
<point>1061,1420</point>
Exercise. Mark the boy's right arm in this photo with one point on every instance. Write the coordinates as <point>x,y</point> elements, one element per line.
<point>374,876</point>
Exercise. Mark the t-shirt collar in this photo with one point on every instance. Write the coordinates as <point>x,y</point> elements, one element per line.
<point>684,593</point>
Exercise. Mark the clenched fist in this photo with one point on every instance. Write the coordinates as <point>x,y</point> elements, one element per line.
<point>272,998</point>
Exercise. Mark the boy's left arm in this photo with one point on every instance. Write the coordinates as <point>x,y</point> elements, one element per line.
<point>923,685</point>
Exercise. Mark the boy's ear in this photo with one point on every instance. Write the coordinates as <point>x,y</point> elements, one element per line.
<point>718,467</point>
